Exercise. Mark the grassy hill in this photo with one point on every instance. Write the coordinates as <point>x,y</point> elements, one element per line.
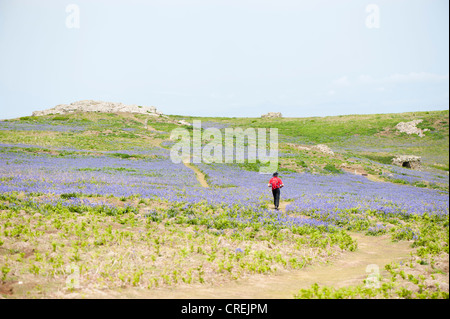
<point>371,135</point>
<point>366,143</point>
<point>100,193</point>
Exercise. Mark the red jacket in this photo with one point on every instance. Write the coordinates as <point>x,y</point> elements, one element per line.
<point>276,182</point>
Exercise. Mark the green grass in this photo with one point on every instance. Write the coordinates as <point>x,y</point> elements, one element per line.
<point>328,129</point>
<point>358,134</point>
<point>441,167</point>
<point>206,255</point>
<point>379,158</point>
<point>111,169</point>
<point>70,195</point>
<point>332,169</point>
<point>349,135</point>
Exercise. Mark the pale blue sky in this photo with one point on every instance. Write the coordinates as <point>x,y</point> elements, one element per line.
<point>226,57</point>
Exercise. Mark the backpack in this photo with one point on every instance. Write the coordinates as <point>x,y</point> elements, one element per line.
<point>277,183</point>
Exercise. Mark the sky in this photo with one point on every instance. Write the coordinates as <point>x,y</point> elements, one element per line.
<point>228,58</point>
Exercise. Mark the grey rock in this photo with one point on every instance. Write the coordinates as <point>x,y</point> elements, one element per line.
<point>410,128</point>
<point>409,161</point>
<point>323,149</point>
<point>183,122</point>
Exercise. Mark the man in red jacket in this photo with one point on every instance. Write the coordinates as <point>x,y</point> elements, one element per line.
<point>276,184</point>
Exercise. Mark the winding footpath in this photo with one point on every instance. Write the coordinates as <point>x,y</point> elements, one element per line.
<point>200,177</point>
<point>348,269</point>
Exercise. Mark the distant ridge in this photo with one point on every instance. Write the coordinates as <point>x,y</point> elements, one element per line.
<point>99,106</point>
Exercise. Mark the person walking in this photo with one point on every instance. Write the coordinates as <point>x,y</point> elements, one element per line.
<point>276,184</point>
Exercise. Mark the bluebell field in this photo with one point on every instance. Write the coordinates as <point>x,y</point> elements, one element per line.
<point>323,197</point>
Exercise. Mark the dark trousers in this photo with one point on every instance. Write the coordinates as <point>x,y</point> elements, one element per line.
<point>276,197</point>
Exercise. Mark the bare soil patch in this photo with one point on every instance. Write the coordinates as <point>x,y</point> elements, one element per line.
<point>346,270</point>
<point>200,177</point>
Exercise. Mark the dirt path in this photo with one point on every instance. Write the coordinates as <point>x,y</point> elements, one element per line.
<point>282,206</point>
<point>200,177</point>
<point>347,270</point>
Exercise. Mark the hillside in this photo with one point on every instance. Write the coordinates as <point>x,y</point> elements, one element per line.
<point>365,144</point>
<point>92,205</point>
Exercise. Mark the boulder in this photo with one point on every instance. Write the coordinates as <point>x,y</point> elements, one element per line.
<point>410,128</point>
<point>408,161</point>
<point>183,122</point>
<point>323,149</point>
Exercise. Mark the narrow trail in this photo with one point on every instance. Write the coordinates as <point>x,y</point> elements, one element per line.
<point>346,270</point>
<point>157,142</point>
<point>349,269</point>
<point>200,177</point>
<point>282,206</point>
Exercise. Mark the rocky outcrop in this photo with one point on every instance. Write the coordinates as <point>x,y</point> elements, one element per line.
<point>99,106</point>
<point>272,115</point>
<point>408,161</point>
<point>411,128</point>
<point>322,148</point>
<point>183,122</point>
